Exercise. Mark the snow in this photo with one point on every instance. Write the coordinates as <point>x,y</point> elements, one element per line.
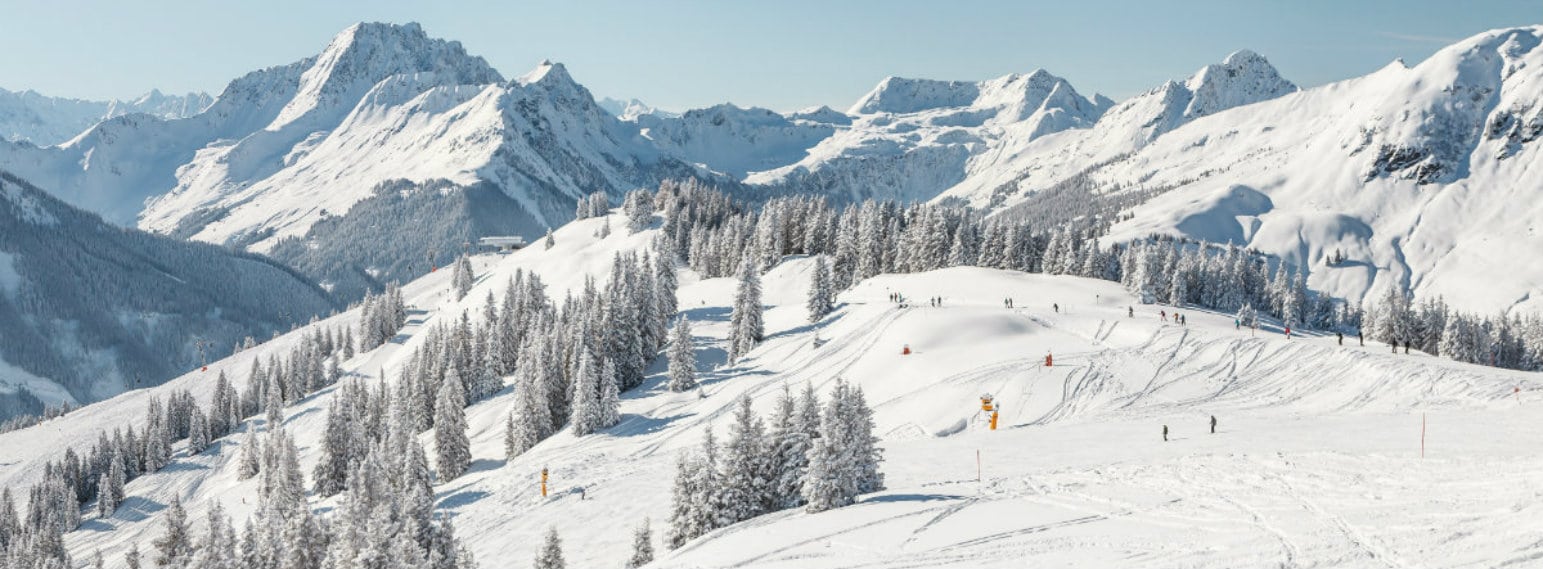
<point>1317,463</point>
<point>910,139</point>
<point>10,279</point>
<point>45,121</point>
<point>1422,176</point>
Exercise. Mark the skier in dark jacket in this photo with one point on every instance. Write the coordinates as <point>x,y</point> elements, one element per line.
<point>1165,433</point>
<point>1341,336</point>
<point>1213,424</point>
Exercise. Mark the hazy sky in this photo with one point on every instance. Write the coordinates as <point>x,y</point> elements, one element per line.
<point>779,54</point>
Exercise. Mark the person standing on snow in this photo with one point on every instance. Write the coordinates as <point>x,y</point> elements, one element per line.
<point>1341,337</point>
<point>1165,433</point>
<point>1213,424</point>
<point>1130,312</point>
<point>1057,307</point>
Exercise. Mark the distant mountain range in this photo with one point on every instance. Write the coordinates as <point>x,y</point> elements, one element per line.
<point>389,118</point>
<point>28,116</point>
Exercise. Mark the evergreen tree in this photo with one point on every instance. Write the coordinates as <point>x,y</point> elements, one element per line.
<point>746,475</point>
<point>821,290</point>
<point>682,510</point>
<point>549,242</point>
<point>551,555</point>
<point>251,452</point>
<point>682,357</point>
<point>175,546</point>
<point>745,326</point>
<point>642,546</point>
<point>790,444</point>
<point>586,397</point>
<point>609,403</point>
<point>451,444</point>
<point>461,277</point>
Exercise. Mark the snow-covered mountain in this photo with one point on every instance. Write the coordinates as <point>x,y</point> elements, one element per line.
<point>1424,178</point>
<point>88,310</point>
<point>383,105</point>
<point>631,108</point>
<point>910,139</point>
<point>735,140</point>
<point>28,116</point>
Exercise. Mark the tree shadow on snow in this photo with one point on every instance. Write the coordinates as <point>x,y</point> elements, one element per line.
<point>463,498</point>
<point>133,509</point>
<point>809,327</point>
<point>707,314</point>
<point>912,498</point>
<point>635,425</point>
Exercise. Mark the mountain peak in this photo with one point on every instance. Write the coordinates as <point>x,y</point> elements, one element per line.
<point>1244,77</point>
<point>546,72</point>
<point>366,53</point>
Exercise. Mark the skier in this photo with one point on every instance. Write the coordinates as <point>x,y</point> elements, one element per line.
<point>1288,332</point>
<point>1213,424</point>
<point>1162,315</point>
<point>1406,347</point>
<point>1165,433</point>
<point>1237,323</point>
<point>1341,337</point>
<point>1184,320</point>
<point>1057,307</point>
<point>1360,338</point>
<point>1130,312</point>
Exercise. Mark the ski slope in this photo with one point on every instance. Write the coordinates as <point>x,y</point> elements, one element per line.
<point>1317,462</point>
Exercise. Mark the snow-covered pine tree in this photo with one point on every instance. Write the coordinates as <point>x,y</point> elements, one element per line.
<point>586,395</point>
<point>452,448</point>
<point>549,242</point>
<point>746,467</point>
<point>462,277</point>
<point>789,453</point>
<point>682,357</point>
<point>745,325</point>
<point>865,451</point>
<point>683,518</point>
<point>821,290</point>
<point>642,546</point>
<point>551,555</point>
<point>251,455</point>
<point>609,402</point>
<point>639,208</point>
<point>175,546</point>
<point>198,432</point>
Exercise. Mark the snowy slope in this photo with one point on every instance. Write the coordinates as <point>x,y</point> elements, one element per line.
<point>1302,473</point>
<point>89,310</point>
<point>1425,177</point>
<point>45,121</point>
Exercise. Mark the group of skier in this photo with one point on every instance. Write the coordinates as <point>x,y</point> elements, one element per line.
<point>1213,428</point>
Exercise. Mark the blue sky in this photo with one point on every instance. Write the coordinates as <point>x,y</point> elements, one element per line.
<point>783,55</point>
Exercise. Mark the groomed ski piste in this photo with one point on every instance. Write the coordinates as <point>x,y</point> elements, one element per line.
<point>1325,456</point>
